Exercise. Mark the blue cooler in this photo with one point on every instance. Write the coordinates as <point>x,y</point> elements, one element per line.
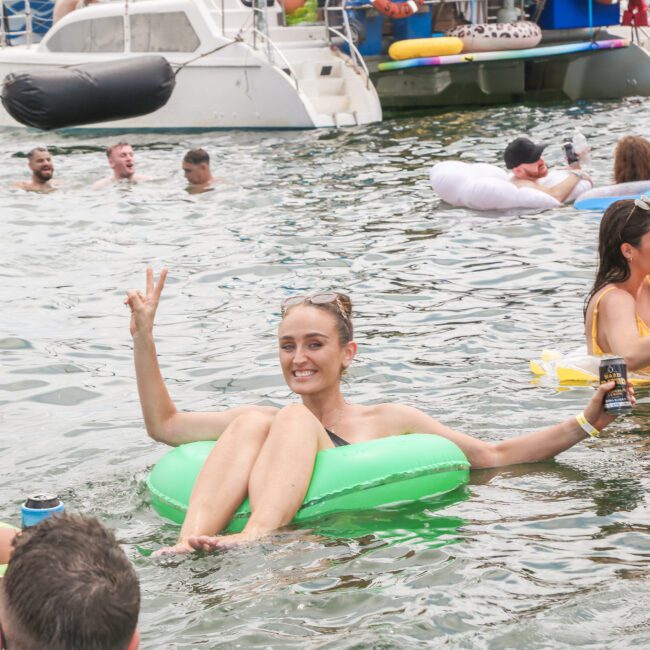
<point>571,14</point>
<point>372,23</point>
<point>416,26</point>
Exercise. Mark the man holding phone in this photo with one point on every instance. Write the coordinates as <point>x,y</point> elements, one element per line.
<point>524,159</point>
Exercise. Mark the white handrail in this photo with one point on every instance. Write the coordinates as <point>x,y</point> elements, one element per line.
<point>355,56</point>
<point>3,35</point>
<point>28,23</point>
<point>285,63</point>
<point>259,31</point>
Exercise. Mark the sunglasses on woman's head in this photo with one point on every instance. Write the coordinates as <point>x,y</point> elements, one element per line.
<point>324,298</point>
<point>643,203</point>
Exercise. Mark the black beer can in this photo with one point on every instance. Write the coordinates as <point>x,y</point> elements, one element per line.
<point>614,369</point>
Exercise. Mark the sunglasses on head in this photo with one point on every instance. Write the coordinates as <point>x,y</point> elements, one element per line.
<point>323,298</point>
<point>643,203</point>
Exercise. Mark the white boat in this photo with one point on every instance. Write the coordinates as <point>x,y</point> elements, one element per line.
<point>243,66</point>
<point>236,65</point>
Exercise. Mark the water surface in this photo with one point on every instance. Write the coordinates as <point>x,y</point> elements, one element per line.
<point>450,306</point>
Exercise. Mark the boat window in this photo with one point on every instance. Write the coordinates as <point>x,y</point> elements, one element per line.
<point>96,35</point>
<point>164,32</point>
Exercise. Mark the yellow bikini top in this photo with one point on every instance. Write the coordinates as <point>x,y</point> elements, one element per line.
<point>641,327</point>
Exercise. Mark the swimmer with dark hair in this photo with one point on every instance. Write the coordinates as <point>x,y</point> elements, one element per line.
<point>617,309</point>
<point>196,167</point>
<point>68,585</point>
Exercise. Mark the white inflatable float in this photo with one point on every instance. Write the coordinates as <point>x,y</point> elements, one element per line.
<point>481,186</point>
<point>490,37</point>
<point>575,368</point>
<point>600,198</point>
<point>634,188</point>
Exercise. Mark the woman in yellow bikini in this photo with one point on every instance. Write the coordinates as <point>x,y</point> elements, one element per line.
<point>617,314</point>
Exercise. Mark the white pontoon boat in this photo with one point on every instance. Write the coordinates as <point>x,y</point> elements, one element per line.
<point>237,65</point>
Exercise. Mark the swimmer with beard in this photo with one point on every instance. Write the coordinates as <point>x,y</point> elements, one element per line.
<point>42,168</point>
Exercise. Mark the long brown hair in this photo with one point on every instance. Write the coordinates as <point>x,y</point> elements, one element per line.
<point>622,222</point>
<point>632,159</point>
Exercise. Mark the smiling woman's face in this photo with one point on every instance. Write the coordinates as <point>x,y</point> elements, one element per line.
<point>311,354</point>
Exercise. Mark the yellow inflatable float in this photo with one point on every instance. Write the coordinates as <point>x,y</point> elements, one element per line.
<point>416,48</point>
<point>576,369</point>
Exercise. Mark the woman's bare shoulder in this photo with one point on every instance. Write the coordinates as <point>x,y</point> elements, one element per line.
<point>613,297</point>
<point>384,409</point>
<point>396,418</point>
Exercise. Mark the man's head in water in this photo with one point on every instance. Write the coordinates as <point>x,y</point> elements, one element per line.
<point>196,167</point>
<point>69,586</point>
<point>122,160</point>
<point>524,159</point>
<point>41,165</point>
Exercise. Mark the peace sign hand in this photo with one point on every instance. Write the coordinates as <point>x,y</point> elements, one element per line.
<point>143,308</point>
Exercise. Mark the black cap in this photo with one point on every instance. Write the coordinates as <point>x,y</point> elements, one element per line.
<point>522,151</point>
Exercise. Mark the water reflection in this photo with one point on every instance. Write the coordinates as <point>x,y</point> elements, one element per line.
<point>419,523</point>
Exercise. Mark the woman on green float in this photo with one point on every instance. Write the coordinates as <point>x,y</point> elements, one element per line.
<point>268,453</point>
<point>617,311</point>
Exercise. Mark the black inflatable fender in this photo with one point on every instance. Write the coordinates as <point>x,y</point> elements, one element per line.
<point>90,93</point>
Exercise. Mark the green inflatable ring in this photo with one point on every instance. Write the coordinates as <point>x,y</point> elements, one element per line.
<point>397,469</point>
<point>3,567</point>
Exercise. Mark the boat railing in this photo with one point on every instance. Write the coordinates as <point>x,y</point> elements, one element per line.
<point>261,40</point>
<point>337,24</point>
<point>8,35</point>
<point>261,35</point>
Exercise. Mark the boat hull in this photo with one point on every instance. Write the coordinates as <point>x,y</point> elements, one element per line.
<point>606,74</point>
<point>228,94</point>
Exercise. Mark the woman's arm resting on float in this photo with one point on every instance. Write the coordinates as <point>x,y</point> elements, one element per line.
<point>618,329</point>
<point>528,448</point>
<point>163,421</point>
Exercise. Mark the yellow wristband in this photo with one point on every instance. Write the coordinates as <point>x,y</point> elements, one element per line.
<point>585,426</point>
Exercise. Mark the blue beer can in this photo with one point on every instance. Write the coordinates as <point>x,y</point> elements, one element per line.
<point>39,507</point>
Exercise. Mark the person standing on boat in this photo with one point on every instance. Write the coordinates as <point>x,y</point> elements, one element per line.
<point>42,168</point>
<point>122,161</point>
<point>196,167</point>
<point>268,453</point>
<point>524,159</point>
